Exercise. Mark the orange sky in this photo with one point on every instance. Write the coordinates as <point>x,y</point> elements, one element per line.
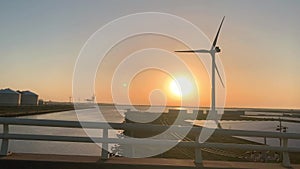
<point>40,42</point>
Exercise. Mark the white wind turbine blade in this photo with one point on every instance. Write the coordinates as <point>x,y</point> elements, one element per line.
<point>216,38</point>
<point>193,51</point>
<point>219,75</point>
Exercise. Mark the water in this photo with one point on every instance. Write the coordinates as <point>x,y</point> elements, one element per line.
<point>112,115</point>
<point>293,127</point>
<point>264,126</point>
<point>65,148</point>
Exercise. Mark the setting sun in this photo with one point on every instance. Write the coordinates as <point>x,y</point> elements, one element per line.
<point>174,88</point>
<point>180,87</point>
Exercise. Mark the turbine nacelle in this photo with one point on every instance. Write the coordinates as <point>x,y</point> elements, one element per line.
<point>217,49</point>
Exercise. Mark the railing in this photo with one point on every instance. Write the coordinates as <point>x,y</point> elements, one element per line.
<point>105,140</point>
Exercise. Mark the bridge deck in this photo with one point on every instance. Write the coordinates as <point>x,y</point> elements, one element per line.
<point>32,161</point>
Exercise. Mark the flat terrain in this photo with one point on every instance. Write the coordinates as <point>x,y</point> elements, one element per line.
<point>208,153</point>
<point>14,111</point>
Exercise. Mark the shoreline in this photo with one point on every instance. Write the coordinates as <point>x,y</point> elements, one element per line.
<point>22,114</point>
<point>19,111</point>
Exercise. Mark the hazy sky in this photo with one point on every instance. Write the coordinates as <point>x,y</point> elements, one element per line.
<point>40,41</point>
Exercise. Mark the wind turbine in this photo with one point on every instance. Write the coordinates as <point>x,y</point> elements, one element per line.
<point>213,50</point>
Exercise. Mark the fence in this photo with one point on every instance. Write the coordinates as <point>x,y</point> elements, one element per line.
<point>105,140</point>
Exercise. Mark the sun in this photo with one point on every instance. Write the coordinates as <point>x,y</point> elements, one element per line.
<point>180,86</point>
<point>174,88</point>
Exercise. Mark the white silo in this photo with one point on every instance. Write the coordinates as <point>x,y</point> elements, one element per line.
<point>9,97</point>
<point>29,98</point>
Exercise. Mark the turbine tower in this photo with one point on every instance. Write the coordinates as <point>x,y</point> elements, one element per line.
<point>213,50</point>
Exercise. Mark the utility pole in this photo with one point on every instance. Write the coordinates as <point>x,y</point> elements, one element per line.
<point>281,129</point>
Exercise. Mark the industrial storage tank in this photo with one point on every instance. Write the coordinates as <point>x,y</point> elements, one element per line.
<point>9,97</point>
<point>29,98</point>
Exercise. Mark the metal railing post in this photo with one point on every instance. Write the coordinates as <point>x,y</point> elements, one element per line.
<point>198,157</point>
<point>131,146</point>
<point>198,154</point>
<point>285,155</point>
<point>4,145</point>
<point>104,150</point>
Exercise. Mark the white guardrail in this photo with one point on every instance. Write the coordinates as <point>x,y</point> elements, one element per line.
<point>105,140</point>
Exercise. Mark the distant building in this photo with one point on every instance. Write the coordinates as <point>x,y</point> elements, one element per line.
<point>9,97</point>
<point>29,98</point>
